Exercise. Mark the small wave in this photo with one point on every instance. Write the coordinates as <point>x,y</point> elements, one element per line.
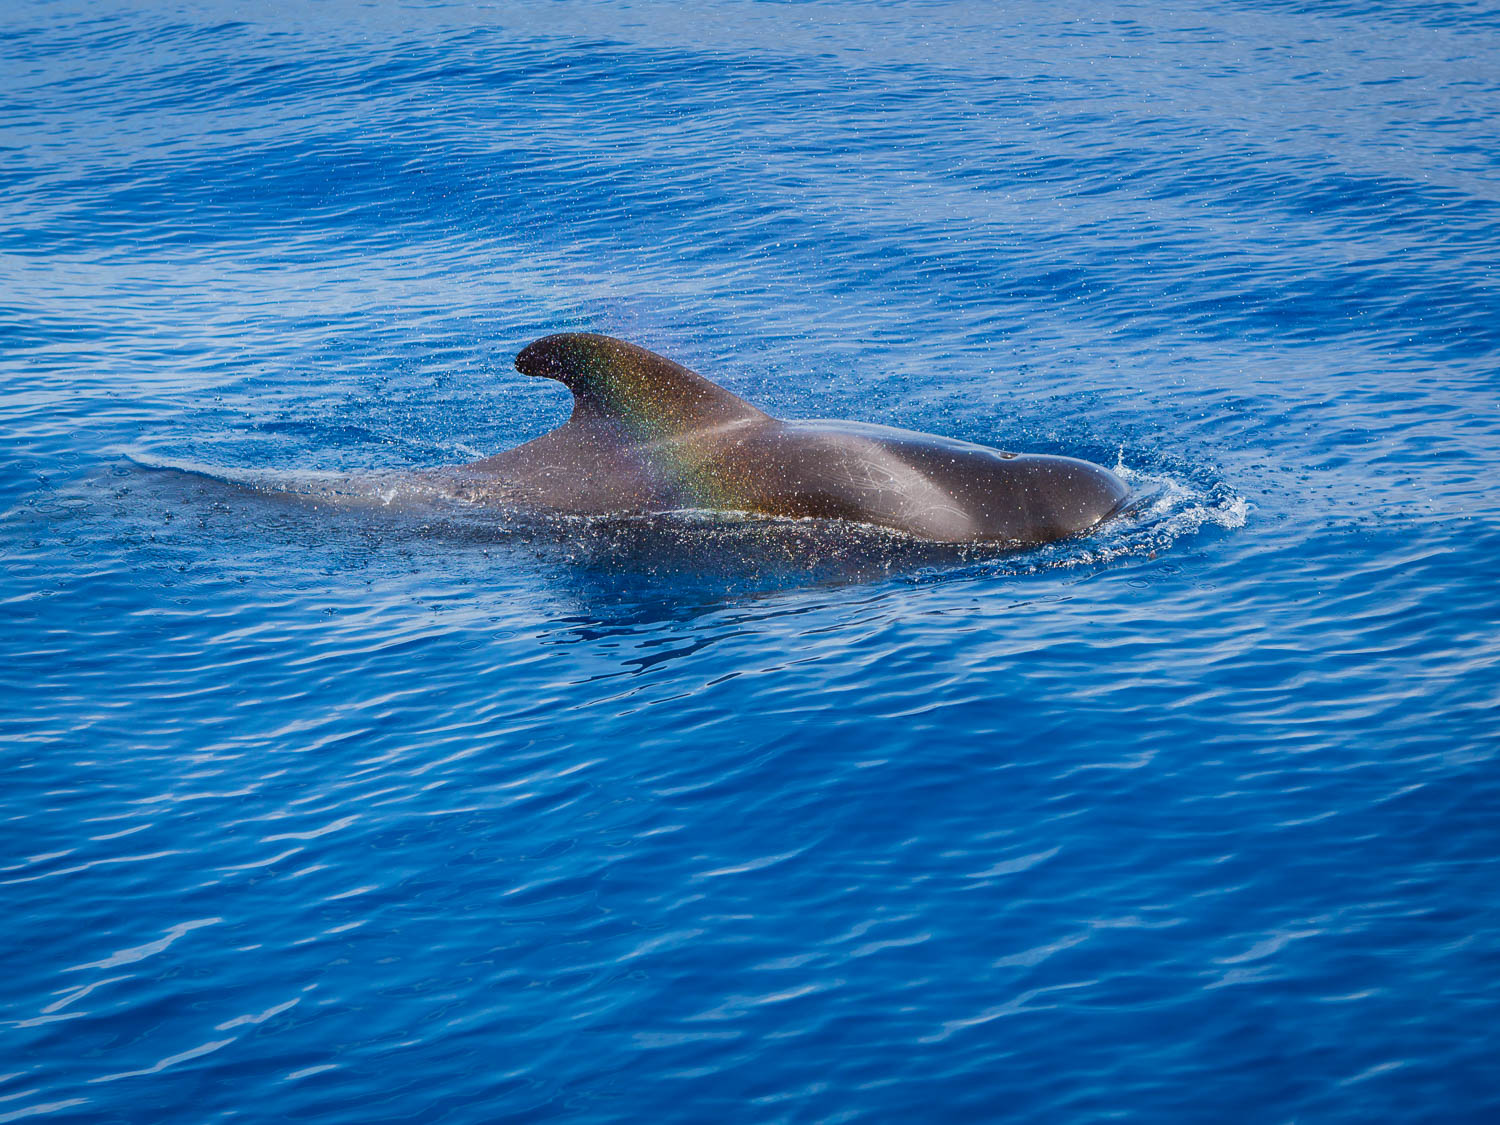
<point>1169,508</point>
<point>384,489</point>
<point>1161,510</point>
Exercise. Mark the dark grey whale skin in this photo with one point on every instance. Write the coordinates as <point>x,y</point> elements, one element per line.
<point>648,435</point>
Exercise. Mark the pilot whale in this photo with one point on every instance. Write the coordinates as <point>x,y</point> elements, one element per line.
<point>647,436</point>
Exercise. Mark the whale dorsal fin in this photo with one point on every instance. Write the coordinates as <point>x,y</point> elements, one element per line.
<point>625,385</point>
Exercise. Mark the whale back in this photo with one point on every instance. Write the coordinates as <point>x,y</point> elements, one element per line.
<point>625,386</point>
<point>649,435</point>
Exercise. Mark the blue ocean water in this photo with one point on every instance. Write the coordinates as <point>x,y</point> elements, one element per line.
<point>319,812</point>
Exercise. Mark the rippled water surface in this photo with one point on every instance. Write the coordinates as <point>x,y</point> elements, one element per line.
<point>378,813</point>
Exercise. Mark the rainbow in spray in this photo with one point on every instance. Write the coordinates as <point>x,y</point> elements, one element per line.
<point>665,410</point>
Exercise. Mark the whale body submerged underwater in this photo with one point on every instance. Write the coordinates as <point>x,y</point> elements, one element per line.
<point>648,436</point>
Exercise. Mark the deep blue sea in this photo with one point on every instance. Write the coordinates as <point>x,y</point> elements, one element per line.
<point>366,814</point>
